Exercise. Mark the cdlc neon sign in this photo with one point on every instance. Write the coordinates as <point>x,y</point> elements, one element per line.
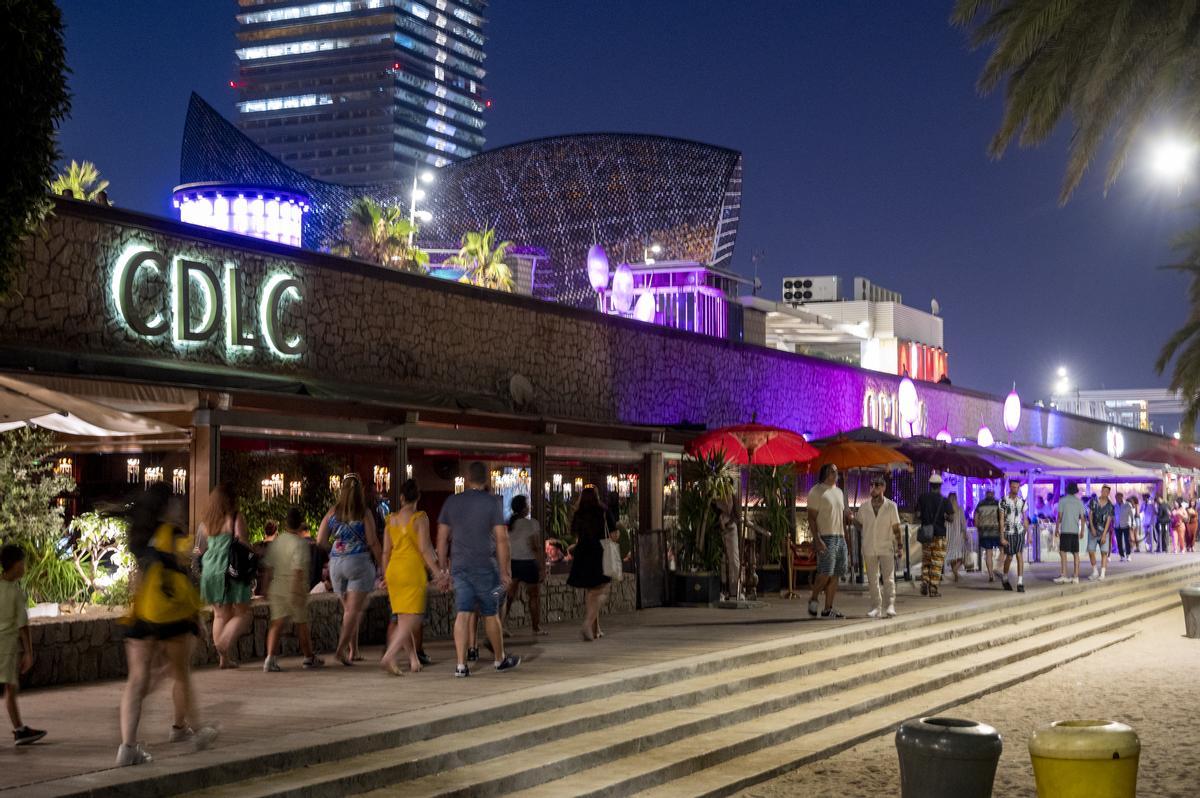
<point>175,314</point>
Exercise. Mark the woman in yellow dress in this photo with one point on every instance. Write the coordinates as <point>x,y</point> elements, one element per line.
<point>407,552</point>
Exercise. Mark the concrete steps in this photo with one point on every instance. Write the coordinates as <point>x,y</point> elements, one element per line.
<point>714,724</point>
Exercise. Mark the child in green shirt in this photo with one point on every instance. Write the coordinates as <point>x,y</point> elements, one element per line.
<point>16,647</point>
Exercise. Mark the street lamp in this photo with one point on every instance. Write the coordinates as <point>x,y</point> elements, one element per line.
<point>1171,160</point>
<point>653,249</point>
<point>425,176</point>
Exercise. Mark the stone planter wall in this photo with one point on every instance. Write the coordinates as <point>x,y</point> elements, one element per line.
<point>86,648</point>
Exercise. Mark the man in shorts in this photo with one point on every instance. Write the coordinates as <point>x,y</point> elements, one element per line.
<point>1067,530</point>
<point>1014,530</point>
<point>987,521</point>
<point>827,517</point>
<point>473,522</point>
<point>1100,522</point>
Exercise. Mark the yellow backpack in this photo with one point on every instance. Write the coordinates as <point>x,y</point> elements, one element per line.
<point>164,592</point>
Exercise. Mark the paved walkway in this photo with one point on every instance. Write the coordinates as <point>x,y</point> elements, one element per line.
<point>253,706</point>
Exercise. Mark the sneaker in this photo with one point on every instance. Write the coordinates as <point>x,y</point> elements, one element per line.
<point>813,608</point>
<point>312,662</point>
<point>27,736</point>
<point>205,736</point>
<point>1062,580</point>
<point>924,588</point>
<point>1074,580</point>
<point>424,658</point>
<point>472,655</point>
<point>874,613</point>
<point>1094,575</point>
<point>508,663</point>
<point>271,666</point>
<point>832,615</point>
<point>1020,587</point>
<point>1007,584</point>
<point>180,735</point>
<point>461,671</point>
<point>1102,574</point>
<point>132,755</point>
<point>891,611</point>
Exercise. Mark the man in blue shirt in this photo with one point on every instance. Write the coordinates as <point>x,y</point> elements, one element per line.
<point>473,523</point>
<point>1067,530</point>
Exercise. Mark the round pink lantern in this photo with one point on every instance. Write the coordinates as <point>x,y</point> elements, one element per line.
<point>985,438</point>
<point>597,267</point>
<point>1012,411</point>
<point>622,288</point>
<point>643,309</point>
<point>944,436</point>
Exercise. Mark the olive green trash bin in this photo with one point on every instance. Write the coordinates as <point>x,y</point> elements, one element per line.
<point>947,758</point>
<point>1085,759</point>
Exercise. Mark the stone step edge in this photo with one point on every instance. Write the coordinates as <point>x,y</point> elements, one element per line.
<point>745,773</point>
<point>376,734</point>
<point>601,755</point>
<point>361,767</point>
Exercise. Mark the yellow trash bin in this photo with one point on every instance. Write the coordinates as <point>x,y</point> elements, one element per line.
<point>1085,759</point>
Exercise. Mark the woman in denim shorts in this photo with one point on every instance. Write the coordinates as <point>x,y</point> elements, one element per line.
<point>348,529</point>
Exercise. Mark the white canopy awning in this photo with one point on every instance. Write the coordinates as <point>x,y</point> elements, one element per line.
<point>23,403</point>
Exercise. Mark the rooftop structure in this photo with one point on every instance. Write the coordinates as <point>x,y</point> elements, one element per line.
<point>875,330</point>
<point>682,294</point>
<point>1137,408</point>
<point>361,91</point>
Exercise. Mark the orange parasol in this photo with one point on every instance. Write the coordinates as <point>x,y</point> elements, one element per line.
<point>847,454</point>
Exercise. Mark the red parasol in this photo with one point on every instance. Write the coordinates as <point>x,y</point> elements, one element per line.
<point>754,444</point>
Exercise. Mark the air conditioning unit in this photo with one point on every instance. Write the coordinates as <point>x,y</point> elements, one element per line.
<point>800,290</point>
<point>865,289</point>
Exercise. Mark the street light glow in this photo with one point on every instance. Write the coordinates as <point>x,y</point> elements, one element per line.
<point>1171,159</point>
<point>424,217</point>
<point>1062,371</point>
<point>656,249</point>
<point>427,177</point>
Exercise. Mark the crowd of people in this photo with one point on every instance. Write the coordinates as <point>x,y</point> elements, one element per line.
<point>1097,525</point>
<point>483,556</point>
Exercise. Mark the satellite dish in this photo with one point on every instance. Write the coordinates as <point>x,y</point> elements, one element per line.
<point>934,307</point>
<point>521,390</point>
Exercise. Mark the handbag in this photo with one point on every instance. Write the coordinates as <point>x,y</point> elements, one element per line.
<point>925,532</point>
<point>612,559</point>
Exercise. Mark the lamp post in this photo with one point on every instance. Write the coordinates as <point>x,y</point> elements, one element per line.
<point>417,195</point>
<point>653,249</point>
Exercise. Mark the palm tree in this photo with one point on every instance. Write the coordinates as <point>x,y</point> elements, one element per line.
<point>484,261</point>
<point>379,234</point>
<point>1108,65</point>
<point>81,179</point>
<point>1184,346</point>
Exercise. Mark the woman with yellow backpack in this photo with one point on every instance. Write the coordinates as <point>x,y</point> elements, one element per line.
<point>163,621</point>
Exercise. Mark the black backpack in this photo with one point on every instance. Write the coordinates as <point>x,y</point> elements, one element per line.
<point>243,562</point>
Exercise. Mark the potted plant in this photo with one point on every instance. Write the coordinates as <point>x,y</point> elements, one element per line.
<point>706,480</point>
<point>775,488</point>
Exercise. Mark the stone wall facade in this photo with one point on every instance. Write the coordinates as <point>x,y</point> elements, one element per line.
<point>89,647</point>
<point>418,336</point>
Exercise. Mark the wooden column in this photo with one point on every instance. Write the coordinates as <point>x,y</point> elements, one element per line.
<point>650,492</point>
<point>204,469</point>
<point>537,482</point>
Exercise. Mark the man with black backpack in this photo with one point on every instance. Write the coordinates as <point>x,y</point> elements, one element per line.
<point>987,522</point>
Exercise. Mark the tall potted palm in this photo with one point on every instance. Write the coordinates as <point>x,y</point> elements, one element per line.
<point>708,479</point>
<point>775,488</point>
<point>483,259</point>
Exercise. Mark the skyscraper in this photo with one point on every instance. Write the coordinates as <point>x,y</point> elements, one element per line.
<point>360,91</point>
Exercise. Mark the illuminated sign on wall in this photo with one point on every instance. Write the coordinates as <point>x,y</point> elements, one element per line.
<point>881,411</point>
<point>155,296</point>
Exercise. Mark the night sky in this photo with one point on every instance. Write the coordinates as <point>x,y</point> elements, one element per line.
<point>864,147</point>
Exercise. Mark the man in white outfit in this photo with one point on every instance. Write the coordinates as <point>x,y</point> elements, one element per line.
<point>880,522</point>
